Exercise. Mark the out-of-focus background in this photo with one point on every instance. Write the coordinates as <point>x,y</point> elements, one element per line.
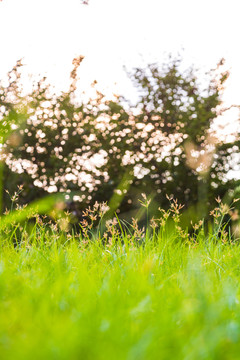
<point>112,99</point>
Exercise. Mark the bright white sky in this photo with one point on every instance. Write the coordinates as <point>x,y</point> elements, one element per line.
<point>48,34</point>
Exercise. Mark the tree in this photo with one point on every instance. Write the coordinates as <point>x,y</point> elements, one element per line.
<point>168,147</point>
<point>185,157</point>
<point>62,145</point>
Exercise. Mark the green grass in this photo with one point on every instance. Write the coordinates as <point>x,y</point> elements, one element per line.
<point>162,299</point>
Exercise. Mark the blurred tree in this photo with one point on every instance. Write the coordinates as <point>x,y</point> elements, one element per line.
<point>183,156</point>
<point>62,146</point>
<point>164,146</point>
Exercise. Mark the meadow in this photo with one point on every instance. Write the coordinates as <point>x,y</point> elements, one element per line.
<point>128,293</point>
<point>110,282</point>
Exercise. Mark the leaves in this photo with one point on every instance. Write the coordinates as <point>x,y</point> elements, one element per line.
<point>91,146</point>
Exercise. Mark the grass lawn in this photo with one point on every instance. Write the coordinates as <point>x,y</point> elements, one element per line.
<point>162,298</point>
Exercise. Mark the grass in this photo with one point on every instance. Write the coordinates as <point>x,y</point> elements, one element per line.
<point>134,297</point>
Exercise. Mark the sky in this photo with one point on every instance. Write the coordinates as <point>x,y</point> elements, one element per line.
<point>112,34</point>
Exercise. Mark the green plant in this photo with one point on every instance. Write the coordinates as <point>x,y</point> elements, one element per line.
<point>105,152</point>
<point>121,295</point>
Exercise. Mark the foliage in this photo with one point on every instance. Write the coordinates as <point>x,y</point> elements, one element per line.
<point>185,157</point>
<point>15,116</point>
<point>101,151</point>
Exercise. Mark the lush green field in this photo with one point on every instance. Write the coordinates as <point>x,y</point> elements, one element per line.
<point>155,298</point>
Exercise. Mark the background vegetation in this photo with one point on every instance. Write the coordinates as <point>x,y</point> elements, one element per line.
<point>106,150</point>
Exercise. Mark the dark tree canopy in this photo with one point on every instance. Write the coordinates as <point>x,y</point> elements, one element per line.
<point>165,147</point>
